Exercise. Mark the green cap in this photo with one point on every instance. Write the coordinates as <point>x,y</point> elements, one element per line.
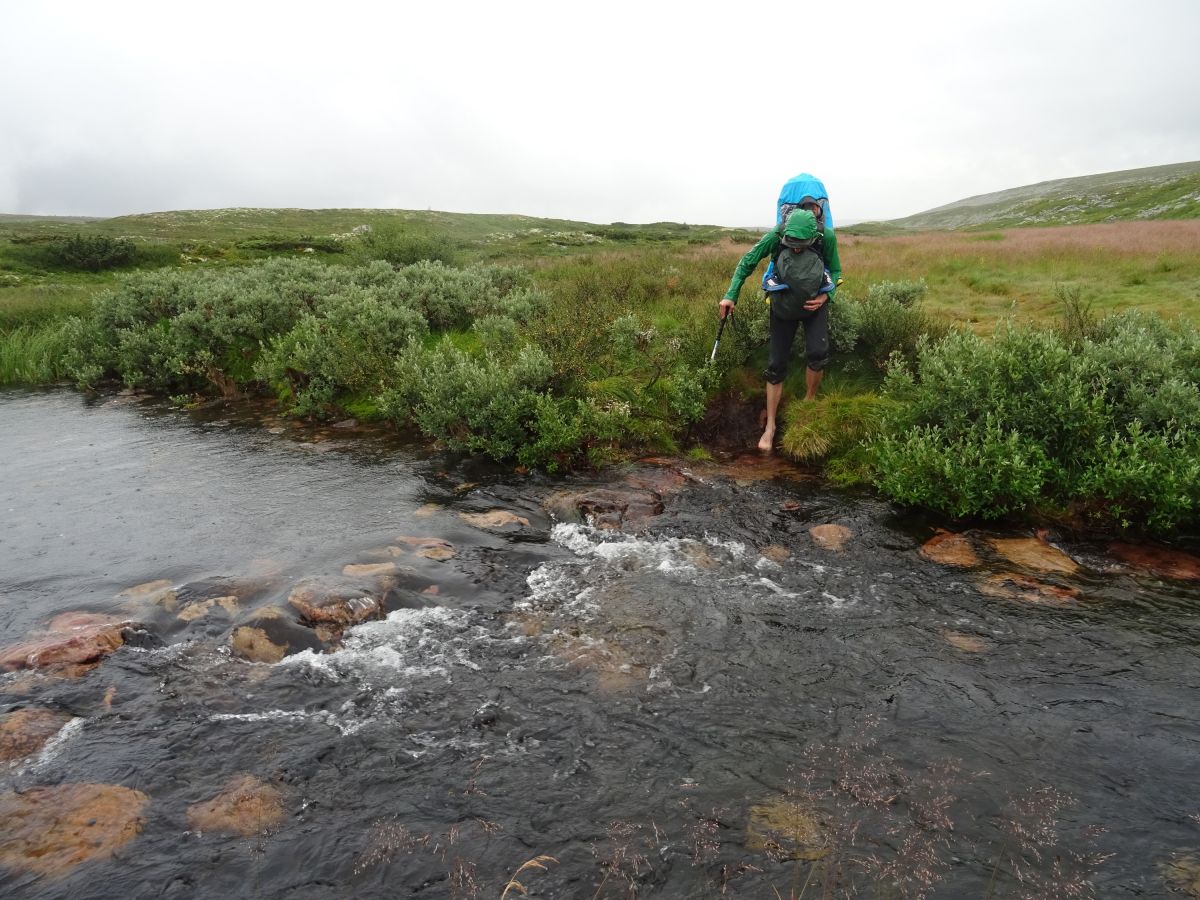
<point>801,225</point>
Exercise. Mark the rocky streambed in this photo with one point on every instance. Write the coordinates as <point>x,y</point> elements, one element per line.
<point>247,658</point>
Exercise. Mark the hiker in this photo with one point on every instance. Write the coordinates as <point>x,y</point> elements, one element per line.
<point>806,271</point>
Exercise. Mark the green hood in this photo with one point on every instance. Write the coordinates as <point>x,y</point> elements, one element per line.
<point>801,225</point>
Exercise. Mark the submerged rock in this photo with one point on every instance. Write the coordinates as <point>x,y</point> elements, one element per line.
<point>160,592</point>
<point>1183,875</point>
<point>494,518</point>
<point>198,609</point>
<point>1010,586</point>
<point>1161,561</point>
<point>950,549</point>
<point>776,553</point>
<point>245,806</point>
<point>25,731</point>
<point>270,634</point>
<point>70,639</point>
<point>786,830</point>
<point>50,830</point>
<point>968,643</point>
<point>831,537</point>
<point>1034,553</point>
<point>430,547</point>
<point>368,570</point>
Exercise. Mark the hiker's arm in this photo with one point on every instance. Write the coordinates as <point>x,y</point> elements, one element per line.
<point>756,254</point>
<point>832,262</point>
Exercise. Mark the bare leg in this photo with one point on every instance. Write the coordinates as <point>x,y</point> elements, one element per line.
<point>774,393</point>
<point>812,381</point>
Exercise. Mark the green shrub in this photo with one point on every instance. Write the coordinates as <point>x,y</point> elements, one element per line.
<point>402,246</point>
<point>889,321</point>
<point>91,253</point>
<point>985,470</point>
<point>1101,416</point>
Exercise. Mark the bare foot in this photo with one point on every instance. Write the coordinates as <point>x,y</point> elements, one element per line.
<point>767,442</point>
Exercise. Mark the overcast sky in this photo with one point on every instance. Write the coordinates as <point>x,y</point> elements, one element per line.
<point>614,111</point>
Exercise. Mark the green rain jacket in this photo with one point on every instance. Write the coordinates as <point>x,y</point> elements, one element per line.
<point>766,248</point>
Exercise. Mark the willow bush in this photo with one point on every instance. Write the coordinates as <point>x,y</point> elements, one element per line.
<point>1103,420</point>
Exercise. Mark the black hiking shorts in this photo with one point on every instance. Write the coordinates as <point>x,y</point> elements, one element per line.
<point>816,343</point>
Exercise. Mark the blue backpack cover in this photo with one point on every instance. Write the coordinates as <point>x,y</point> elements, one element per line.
<point>793,191</point>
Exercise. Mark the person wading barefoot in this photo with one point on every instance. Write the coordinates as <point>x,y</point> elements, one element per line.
<point>799,287</point>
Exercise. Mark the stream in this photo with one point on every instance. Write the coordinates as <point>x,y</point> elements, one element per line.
<point>673,678</point>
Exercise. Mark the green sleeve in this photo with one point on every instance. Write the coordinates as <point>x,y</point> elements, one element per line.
<point>764,248</point>
<point>832,261</point>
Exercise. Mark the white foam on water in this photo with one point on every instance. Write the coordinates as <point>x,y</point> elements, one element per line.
<point>668,555</point>
<point>408,644</point>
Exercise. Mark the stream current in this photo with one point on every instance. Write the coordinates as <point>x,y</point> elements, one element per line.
<point>705,702</point>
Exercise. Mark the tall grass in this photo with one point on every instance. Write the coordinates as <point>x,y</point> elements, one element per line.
<point>33,354</point>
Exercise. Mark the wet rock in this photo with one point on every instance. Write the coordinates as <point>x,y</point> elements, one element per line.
<point>270,634</point>
<point>198,609</point>
<point>950,549</point>
<point>50,830</point>
<point>368,570</point>
<point>70,639</point>
<point>701,557</point>
<point>383,554</point>
<point>1034,553</point>
<point>245,806</point>
<point>427,510</point>
<point>1183,875</point>
<point>429,547</point>
<point>160,593</point>
<point>25,731</point>
<point>495,519</point>
<point>776,553</point>
<point>242,589</point>
<point>786,830</point>
<point>336,604</point>
<point>1010,586</point>
<point>831,537</point>
<point>968,643</point>
<point>605,507</point>
<point>1161,561</point>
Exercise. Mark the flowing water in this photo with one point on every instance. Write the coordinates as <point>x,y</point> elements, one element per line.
<point>706,702</point>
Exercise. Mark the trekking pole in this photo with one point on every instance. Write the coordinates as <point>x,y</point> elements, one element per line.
<point>717,343</point>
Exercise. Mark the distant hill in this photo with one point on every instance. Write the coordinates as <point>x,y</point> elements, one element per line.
<point>1158,192</point>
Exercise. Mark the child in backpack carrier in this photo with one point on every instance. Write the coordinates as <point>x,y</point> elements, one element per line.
<point>801,281</point>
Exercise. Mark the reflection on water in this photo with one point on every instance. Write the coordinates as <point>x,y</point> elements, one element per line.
<point>713,701</point>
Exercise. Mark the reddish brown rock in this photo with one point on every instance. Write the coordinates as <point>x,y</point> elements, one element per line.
<point>368,570</point>
<point>1010,586</point>
<point>430,547</point>
<point>255,645</point>
<point>831,537</point>
<point>268,635</point>
<point>776,553</point>
<point>25,731</point>
<point>246,806</point>
<point>494,518</point>
<point>199,609</point>
<point>50,830</point>
<point>968,643</point>
<point>950,549</point>
<point>70,639</point>
<point>335,604</point>
<point>1161,561</point>
<point>1034,553</point>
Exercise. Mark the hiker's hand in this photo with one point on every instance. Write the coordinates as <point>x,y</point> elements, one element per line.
<point>726,308</point>
<point>816,302</point>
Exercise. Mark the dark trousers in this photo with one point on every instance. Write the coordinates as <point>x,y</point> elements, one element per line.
<point>816,342</point>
